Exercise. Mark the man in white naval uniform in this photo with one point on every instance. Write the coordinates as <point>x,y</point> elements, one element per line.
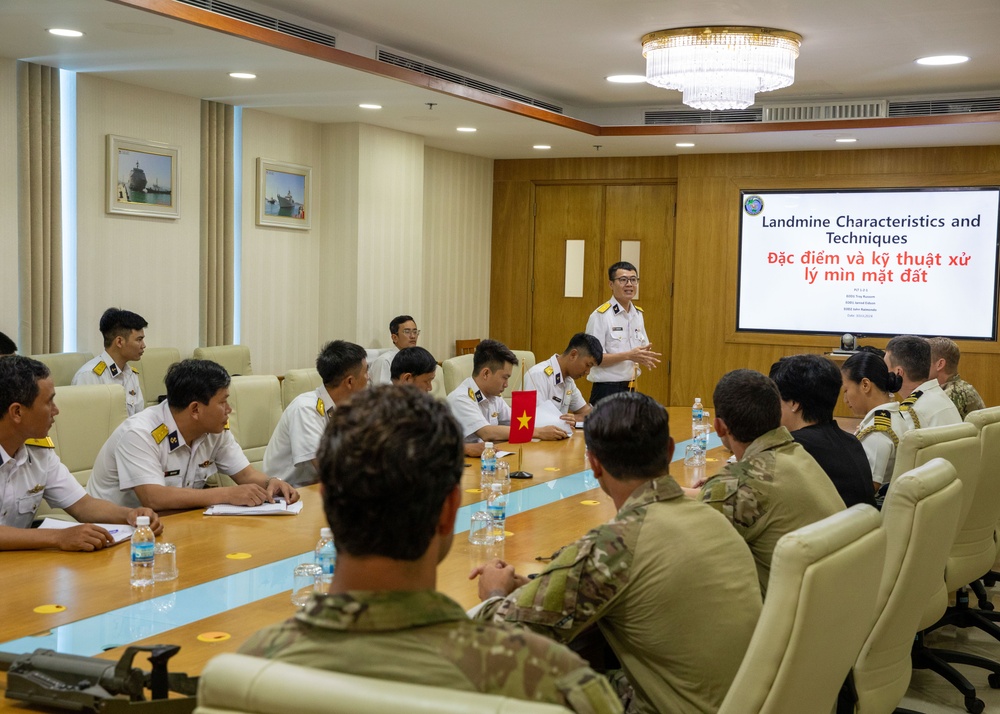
<point>404,333</point>
<point>30,469</point>
<point>476,403</point>
<point>619,326</point>
<point>162,456</point>
<point>555,381</point>
<point>922,401</point>
<point>124,342</point>
<point>291,452</point>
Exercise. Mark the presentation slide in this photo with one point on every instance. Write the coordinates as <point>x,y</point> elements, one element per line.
<point>870,262</point>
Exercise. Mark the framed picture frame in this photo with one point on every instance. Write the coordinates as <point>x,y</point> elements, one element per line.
<point>142,178</point>
<point>284,195</point>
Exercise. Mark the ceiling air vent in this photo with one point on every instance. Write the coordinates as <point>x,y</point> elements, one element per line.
<point>875,109</point>
<point>678,117</point>
<point>928,107</point>
<point>430,70</point>
<point>262,20</point>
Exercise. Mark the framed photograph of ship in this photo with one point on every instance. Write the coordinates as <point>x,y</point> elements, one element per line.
<point>142,178</point>
<point>284,194</point>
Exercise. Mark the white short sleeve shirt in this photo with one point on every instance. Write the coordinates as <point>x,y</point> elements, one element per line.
<point>103,370</point>
<point>31,474</point>
<point>551,386</point>
<point>474,410</point>
<point>619,331</point>
<point>295,440</point>
<point>380,370</point>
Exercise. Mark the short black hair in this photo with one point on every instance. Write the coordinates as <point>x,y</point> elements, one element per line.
<point>116,322</point>
<point>748,402</point>
<point>194,380</point>
<point>493,355</point>
<point>412,360</point>
<point>588,344</point>
<point>811,380</point>
<point>913,354</point>
<point>621,265</point>
<point>338,359</point>
<point>395,322</point>
<point>7,345</point>
<point>867,365</point>
<point>392,450</point>
<point>19,377</point>
<point>629,434</point>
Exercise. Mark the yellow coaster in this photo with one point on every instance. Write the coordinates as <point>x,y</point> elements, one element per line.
<point>590,503</point>
<point>709,458</point>
<point>473,490</point>
<point>551,468</point>
<point>213,636</point>
<point>239,556</point>
<point>507,534</point>
<point>49,609</point>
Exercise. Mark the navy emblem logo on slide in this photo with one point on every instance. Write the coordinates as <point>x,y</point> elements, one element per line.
<point>753,205</point>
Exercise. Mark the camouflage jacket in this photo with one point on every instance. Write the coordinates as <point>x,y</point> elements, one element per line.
<point>672,588</point>
<point>774,489</point>
<point>963,395</point>
<point>423,637</point>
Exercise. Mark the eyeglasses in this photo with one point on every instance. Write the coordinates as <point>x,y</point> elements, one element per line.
<point>411,333</point>
<point>627,281</point>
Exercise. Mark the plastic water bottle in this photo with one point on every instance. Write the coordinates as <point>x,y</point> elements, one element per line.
<point>487,467</point>
<point>697,415</point>
<point>326,556</point>
<point>496,502</point>
<point>143,545</point>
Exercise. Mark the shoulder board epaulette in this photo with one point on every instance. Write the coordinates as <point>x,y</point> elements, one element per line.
<point>605,307</point>
<point>472,395</point>
<point>132,366</point>
<point>45,443</point>
<point>549,371</point>
<point>160,433</point>
<point>99,368</point>
<point>226,427</point>
<point>907,406</point>
<point>637,307</point>
<point>320,409</point>
<point>882,422</point>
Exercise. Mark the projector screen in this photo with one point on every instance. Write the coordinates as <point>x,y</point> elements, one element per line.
<point>870,262</point>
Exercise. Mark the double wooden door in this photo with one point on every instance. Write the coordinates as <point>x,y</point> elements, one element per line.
<point>607,218</point>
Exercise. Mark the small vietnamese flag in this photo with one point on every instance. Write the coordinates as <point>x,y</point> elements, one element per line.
<point>522,420</point>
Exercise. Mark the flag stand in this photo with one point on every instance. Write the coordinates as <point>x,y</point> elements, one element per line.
<point>519,473</point>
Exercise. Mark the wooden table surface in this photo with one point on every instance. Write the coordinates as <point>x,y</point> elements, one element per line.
<point>89,584</point>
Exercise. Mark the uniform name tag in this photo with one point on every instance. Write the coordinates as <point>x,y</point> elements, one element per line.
<point>176,472</point>
<point>617,329</point>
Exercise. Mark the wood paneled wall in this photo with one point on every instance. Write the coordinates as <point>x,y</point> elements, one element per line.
<point>704,343</point>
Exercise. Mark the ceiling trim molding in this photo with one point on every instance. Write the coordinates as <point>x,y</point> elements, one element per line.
<point>272,38</point>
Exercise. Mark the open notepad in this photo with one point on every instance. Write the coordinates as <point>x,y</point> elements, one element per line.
<point>278,508</point>
<point>118,531</point>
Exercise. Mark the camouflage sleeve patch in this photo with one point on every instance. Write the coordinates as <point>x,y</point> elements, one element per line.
<point>732,495</point>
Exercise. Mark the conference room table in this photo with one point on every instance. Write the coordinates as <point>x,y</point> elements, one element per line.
<point>548,511</point>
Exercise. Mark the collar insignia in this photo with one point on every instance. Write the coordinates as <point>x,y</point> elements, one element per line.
<point>114,369</point>
<point>173,440</point>
<point>616,309</point>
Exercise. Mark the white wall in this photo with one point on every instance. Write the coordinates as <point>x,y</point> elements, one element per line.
<point>147,265</point>
<point>8,188</point>
<point>281,278</point>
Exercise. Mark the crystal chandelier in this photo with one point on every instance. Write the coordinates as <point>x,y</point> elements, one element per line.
<point>721,67</point>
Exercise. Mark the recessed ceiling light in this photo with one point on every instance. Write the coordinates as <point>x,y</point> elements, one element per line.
<point>65,33</point>
<point>942,59</point>
<point>627,78</point>
<point>370,106</point>
<point>541,146</point>
<point>684,144</point>
<point>242,75</point>
<point>467,128</point>
<point>845,141</point>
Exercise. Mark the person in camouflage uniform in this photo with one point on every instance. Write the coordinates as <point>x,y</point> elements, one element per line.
<point>775,486</point>
<point>944,367</point>
<point>397,451</point>
<point>669,584</point>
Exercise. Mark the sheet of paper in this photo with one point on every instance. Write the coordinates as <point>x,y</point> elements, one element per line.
<point>278,508</point>
<point>118,531</point>
<point>501,454</point>
<point>548,415</point>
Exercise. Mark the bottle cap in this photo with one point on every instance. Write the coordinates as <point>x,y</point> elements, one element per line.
<point>141,521</point>
<point>697,399</point>
<point>488,445</point>
<point>325,533</point>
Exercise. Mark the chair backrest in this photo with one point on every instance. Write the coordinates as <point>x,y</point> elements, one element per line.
<point>64,365</point>
<point>526,360</point>
<point>438,390</point>
<point>235,358</point>
<point>956,443</point>
<point>298,381</point>
<point>466,347</point>
<point>152,370</point>
<point>819,609</point>
<point>919,518</point>
<point>88,414</point>
<point>233,683</point>
<point>256,403</point>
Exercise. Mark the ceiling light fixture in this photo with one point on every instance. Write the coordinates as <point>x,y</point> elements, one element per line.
<point>467,128</point>
<point>627,78</point>
<point>370,106</point>
<point>541,146</point>
<point>721,67</point>
<point>845,140</point>
<point>242,75</point>
<point>65,33</point>
<point>942,60</point>
<point>684,145</point>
